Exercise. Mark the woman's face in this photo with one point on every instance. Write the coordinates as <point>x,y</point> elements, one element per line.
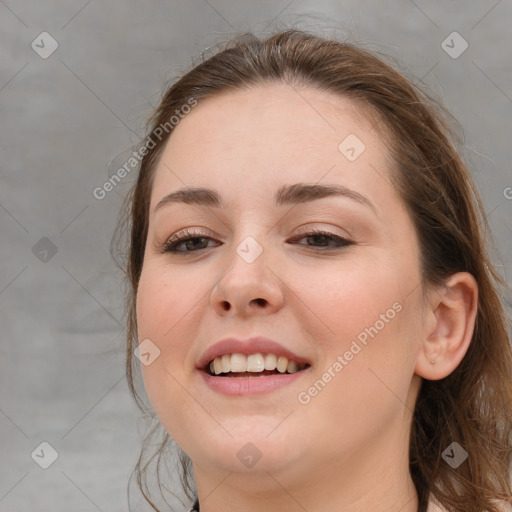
<point>346,303</point>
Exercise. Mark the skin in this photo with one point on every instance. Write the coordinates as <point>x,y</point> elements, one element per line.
<point>347,449</point>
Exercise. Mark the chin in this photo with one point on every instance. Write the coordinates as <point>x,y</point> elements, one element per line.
<point>254,452</point>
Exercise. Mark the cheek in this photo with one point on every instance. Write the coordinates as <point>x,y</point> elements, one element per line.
<point>364,376</point>
<point>366,316</point>
<point>165,300</point>
<point>156,304</point>
<point>349,300</point>
<point>161,306</point>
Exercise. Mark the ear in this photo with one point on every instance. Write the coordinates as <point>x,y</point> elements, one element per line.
<point>448,327</point>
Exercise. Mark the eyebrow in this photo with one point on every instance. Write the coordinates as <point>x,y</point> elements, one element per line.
<point>285,195</point>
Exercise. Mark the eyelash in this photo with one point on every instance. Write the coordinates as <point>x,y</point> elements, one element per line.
<point>185,236</point>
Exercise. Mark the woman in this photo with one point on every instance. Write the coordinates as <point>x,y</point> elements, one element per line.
<point>320,326</point>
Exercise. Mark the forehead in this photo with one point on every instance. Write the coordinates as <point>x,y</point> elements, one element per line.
<point>272,134</point>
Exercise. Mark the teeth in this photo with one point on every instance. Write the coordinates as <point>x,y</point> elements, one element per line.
<point>270,362</point>
<point>254,363</point>
<point>238,363</point>
<point>292,367</point>
<point>282,364</point>
<point>226,363</point>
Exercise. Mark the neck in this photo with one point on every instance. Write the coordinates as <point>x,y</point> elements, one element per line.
<point>348,484</point>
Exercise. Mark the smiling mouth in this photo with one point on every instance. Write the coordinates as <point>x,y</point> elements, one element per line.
<point>264,373</point>
<point>254,365</point>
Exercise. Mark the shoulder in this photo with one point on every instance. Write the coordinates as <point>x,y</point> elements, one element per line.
<point>435,507</point>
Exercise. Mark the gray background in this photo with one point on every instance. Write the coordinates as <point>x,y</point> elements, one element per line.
<point>66,117</point>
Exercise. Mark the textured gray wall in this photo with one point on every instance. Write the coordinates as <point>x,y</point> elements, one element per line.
<point>66,116</point>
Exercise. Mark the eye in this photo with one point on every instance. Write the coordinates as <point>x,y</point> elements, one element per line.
<point>322,240</point>
<point>186,241</point>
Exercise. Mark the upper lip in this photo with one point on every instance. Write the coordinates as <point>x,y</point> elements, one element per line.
<point>250,346</point>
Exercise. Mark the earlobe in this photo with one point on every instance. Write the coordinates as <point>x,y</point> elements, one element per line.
<point>447,334</point>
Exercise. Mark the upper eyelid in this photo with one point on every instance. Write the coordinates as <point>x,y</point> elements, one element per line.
<point>314,232</point>
<point>305,228</point>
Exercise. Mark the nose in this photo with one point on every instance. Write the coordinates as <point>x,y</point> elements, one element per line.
<point>248,288</point>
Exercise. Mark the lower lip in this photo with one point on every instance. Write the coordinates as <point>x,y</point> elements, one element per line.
<point>249,386</point>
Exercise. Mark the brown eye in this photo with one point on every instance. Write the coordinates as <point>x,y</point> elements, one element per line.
<point>186,242</point>
<point>323,239</point>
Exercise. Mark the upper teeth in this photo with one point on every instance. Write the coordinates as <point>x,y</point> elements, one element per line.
<point>253,363</point>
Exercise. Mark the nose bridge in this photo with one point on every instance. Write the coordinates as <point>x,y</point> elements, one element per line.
<point>247,264</point>
<point>251,237</point>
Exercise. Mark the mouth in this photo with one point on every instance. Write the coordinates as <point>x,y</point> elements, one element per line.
<point>237,365</point>
<point>256,366</point>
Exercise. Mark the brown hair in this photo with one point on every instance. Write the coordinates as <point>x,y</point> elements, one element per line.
<point>472,406</point>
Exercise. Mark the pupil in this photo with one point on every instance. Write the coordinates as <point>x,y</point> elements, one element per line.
<point>190,243</point>
<point>321,237</point>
